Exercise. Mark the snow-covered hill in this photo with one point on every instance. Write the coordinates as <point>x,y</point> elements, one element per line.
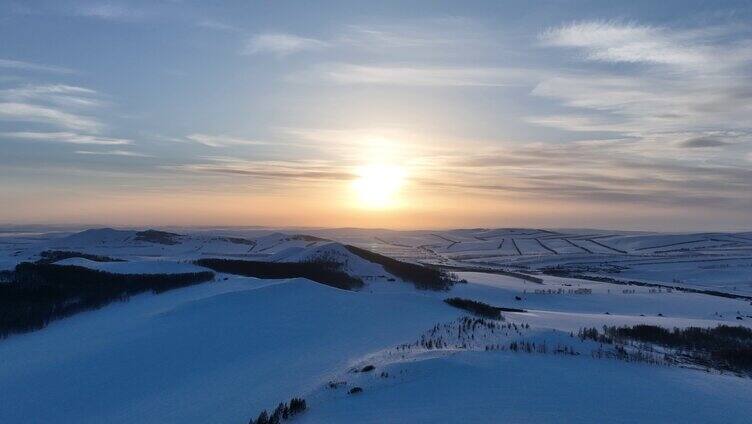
<point>153,251</point>
<point>332,252</point>
<point>222,351</point>
<point>218,353</point>
<point>705,261</point>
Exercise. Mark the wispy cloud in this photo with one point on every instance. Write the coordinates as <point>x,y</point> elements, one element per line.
<point>66,95</point>
<point>46,115</point>
<point>579,122</point>
<point>217,25</point>
<point>222,140</point>
<point>689,83</point>
<point>610,41</point>
<point>112,12</point>
<point>703,142</point>
<point>66,109</point>
<point>420,38</point>
<point>273,172</point>
<point>112,153</point>
<point>280,171</point>
<point>61,106</point>
<point>28,66</point>
<point>38,90</point>
<point>281,44</point>
<point>594,171</point>
<point>416,39</point>
<point>345,73</point>
<point>64,137</point>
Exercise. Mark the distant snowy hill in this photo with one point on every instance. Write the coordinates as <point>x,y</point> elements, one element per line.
<point>332,252</point>
<point>721,261</point>
<point>152,251</point>
<point>95,237</point>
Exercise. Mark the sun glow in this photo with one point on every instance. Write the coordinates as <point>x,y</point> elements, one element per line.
<point>377,186</point>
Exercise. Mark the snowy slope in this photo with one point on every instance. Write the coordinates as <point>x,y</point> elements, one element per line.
<point>494,387</point>
<point>461,385</point>
<point>218,352</point>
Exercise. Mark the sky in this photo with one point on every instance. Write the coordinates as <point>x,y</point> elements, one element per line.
<point>630,115</point>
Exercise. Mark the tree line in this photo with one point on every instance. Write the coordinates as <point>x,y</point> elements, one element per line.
<point>475,307</point>
<point>39,293</point>
<point>422,277</point>
<point>324,272</point>
<point>723,347</point>
<point>282,412</point>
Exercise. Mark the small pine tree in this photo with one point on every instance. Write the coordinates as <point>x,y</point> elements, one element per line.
<point>263,418</point>
<point>297,405</point>
<point>274,418</point>
<point>285,410</point>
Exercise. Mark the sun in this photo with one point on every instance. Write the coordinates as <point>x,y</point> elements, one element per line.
<point>377,186</point>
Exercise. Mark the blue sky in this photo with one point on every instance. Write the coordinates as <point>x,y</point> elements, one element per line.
<point>498,113</point>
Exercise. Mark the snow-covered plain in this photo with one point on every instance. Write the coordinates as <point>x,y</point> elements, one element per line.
<point>222,351</point>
